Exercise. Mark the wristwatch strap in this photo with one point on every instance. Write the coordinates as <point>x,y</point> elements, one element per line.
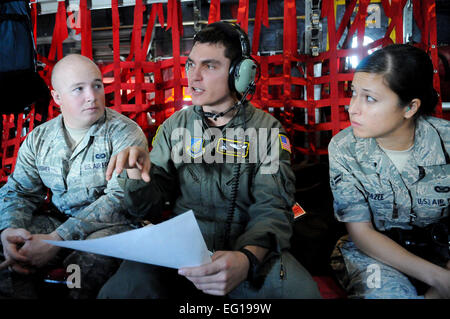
<point>254,263</point>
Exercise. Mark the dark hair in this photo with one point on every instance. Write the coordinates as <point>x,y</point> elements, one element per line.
<point>408,72</point>
<point>224,33</point>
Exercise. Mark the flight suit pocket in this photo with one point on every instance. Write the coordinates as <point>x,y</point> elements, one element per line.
<point>52,177</point>
<point>433,194</point>
<point>190,181</point>
<point>93,177</point>
<point>381,201</point>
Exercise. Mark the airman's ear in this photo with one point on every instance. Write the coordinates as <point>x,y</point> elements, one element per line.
<point>56,97</point>
<point>412,108</point>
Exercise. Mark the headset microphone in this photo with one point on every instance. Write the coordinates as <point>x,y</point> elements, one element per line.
<point>241,79</point>
<point>250,90</point>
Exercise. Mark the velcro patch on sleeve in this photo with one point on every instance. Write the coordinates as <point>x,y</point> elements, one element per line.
<point>298,210</point>
<point>285,143</point>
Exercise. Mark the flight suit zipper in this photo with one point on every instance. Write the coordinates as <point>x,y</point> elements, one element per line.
<point>194,177</point>
<point>282,270</point>
<point>395,208</point>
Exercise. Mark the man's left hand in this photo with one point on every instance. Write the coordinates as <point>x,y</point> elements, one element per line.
<point>226,271</point>
<point>39,252</point>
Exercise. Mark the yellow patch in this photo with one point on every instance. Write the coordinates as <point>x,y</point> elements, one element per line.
<point>232,147</point>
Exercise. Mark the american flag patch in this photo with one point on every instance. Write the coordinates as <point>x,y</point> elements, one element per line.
<point>285,144</point>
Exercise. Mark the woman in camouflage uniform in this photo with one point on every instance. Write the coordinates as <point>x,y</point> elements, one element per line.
<point>389,173</point>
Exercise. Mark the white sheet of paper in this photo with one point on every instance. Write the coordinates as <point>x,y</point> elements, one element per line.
<point>175,243</point>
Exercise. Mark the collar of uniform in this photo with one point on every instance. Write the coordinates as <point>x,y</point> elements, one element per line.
<point>237,120</point>
<point>95,129</point>
<point>100,126</point>
<point>367,150</point>
<point>427,150</point>
<point>59,132</point>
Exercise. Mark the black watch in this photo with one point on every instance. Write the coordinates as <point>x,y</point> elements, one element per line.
<point>254,264</point>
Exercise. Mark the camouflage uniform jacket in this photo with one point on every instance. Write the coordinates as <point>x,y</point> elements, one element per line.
<point>192,165</point>
<point>367,186</point>
<point>76,179</point>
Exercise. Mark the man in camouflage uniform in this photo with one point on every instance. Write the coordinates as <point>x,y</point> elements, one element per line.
<point>368,188</point>
<point>67,155</point>
<point>239,185</point>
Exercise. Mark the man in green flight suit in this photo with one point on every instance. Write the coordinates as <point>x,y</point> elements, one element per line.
<point>230,163</point>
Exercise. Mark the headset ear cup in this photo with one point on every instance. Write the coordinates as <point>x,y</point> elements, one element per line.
<point>231,77</point>
<point>244,74</point>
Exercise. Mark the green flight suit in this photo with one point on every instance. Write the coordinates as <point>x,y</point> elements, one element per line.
<point>193,165</point>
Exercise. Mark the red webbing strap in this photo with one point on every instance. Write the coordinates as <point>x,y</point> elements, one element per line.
<point>34,21</point>
<point>180,19</point>
<point>261,15</point>
<point>60,33</point>
<point>360,25</point>
<point>345,19</point>
<point>127,82</point>
<point>333,37</point>
<point>425,17</point>
<point>263,84</point>
<point>174,16</point>
<point>360,22</point>
<point>431,13</point>
<point>4,172</point>
<point>8,142</point>
<point>159,93</point>
<point>156,11</point>
<point>290,27</point>
<point>139,57</point>
<point>242,16</point>
<point>158,86</point>
<point>169,14</point>
<point>289,45</point>
<point>116,55</point>
<point>397,8</point>
<point>160,12</point>
<point>214,11</point>
<point>275,81</point>
<point>433,48</point>
<point>393,9</point>
<point>86,29</point>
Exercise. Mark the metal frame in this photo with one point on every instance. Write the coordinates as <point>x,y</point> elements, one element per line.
<point>51,6</point>
<point>408,20</point>
<point>313,27</point>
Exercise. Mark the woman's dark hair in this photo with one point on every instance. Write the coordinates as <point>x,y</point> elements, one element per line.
<point>408,72</point>
<point>223,33</point>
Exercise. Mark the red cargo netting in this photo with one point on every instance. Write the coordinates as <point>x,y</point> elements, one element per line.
<point>308,94</point>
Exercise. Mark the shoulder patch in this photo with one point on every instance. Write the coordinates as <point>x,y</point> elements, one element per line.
<point>284,142</point>
<point>195,149</point>
<point>298,210</point>
<point>335,180</point>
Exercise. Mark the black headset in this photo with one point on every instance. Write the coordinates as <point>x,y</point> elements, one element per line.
<point>243,70</point>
